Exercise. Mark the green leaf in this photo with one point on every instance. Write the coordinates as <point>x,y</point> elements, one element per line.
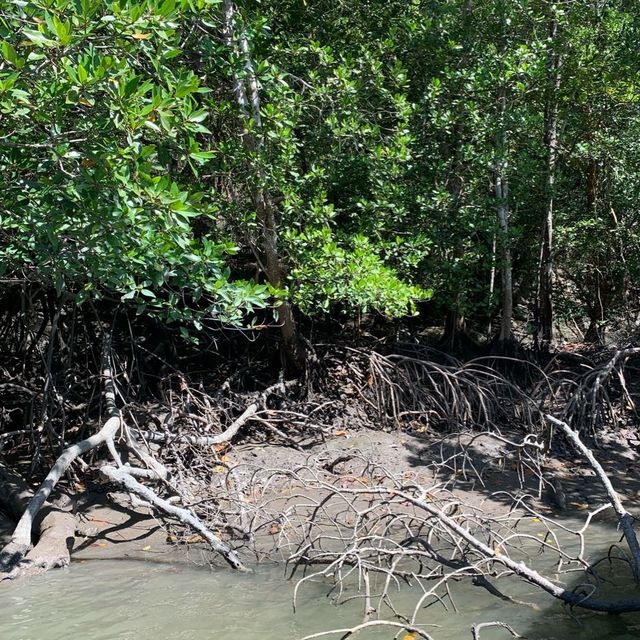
<point>82,74</point>
<point>39,39</point>
<point>167,8</point>
<point>201,157</point>
<point>11,55</point>
<point>153,126</point>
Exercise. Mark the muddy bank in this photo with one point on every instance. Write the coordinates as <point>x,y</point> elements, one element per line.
<point>109,527</point>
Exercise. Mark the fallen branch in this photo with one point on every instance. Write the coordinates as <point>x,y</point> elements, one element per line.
<point>624,517</point>
<point>15,552</point>
<point>120,476</point>
<point>229,433</point>
<point>520,568</point>
<point>203,441</point>
<point>15,556</point>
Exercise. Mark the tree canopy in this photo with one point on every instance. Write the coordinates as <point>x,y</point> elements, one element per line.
<point>387,153</point>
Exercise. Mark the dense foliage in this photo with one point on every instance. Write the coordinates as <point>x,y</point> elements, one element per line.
<point>384,135</point>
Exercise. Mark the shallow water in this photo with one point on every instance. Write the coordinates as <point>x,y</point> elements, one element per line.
<point>107,600</point>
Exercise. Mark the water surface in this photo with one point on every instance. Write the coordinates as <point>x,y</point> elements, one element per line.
<point>107,600</point>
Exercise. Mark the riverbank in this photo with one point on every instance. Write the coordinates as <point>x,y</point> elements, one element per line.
<point>110,527</point>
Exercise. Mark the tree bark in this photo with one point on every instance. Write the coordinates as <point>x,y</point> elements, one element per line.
<point>599,303</point>
<point>545,270</point>
<point>247,96</point>
<point>54,528</point>
<point>501,193</point>
<point>506,321</point>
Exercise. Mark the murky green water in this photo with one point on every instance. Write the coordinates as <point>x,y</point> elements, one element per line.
<point>107,600</point>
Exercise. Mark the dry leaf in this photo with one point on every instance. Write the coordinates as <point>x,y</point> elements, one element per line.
<point>582,506</point>
<point>140,36</point>
<point>194,539</point>
<point>273,529</point>
<point>341,433</point>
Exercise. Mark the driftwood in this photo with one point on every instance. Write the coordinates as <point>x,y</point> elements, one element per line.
<point>20,543</point>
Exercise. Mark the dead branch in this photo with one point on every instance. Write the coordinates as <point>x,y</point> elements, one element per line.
<point>20,542</point>
<point>120,476</point>
<point>229,433</point>
<point>624,517</point>
<point>347,633</point>
<point>477,628</point>
<point>55,526</point>
<point>15,551</point>
<point>359,526</point>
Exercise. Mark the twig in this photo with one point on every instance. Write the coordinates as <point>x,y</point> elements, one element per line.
<point>477,628</point>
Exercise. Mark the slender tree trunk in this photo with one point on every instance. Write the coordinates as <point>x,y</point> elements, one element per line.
<point>454,329</point>
<point>545,282</point>
<point>501,190</point>
<point>492,281</point>
<point>600,292</point>
<point>506,322</point>
<point>247,94</point>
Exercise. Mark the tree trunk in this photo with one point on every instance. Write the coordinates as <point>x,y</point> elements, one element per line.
<point>246,91</point>
<point>492,283</point>
<point>545,282</point>
<point>599,302</point>
<point>501,191</point>
<point>506,321</point>
<point>54,529</point>
<point>454,330</point>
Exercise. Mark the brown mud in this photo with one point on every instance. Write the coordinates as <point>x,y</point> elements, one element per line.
<point>110,528</point>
